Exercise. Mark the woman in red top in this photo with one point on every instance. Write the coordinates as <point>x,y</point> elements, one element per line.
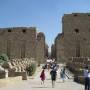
<point>42,76</point>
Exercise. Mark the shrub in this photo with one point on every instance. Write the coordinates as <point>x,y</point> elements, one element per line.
<point>32,69</point>
<point>3,58</point>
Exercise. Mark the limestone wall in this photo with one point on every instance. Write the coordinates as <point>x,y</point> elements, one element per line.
<point>76,28</point>
<point>19,42</point>
<point>59,48</point>
<point>76,36</point>
<point>40,47</point>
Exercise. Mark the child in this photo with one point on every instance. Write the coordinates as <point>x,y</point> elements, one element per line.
<point>42,76</point>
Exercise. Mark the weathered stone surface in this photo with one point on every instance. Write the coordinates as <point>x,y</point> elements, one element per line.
<point>18,42</point>
<point>22,42</point>
<point>77,65</point>
<point>40,47</point>
<point>74,41</point>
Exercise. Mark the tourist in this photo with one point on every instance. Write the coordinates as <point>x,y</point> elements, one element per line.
<point>62,74</point>
<point>89,80</point>
<point>53,74</point>
<point>54,65</point>
<point>42,76</point>
<point>86,78</point>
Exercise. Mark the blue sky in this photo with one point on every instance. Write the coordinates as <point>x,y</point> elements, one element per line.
<point>46,15</point>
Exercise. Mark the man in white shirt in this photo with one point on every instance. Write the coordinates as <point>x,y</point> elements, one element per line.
<point>86,78</point>
<point>89,80</point>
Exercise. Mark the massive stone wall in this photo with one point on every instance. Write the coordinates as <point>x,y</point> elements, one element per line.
<point>40,47</point>
<point>46,51</point>
<point>76,28</point>
<point>76,35</point>
<point>59,48</point>
<point>20,42</point>
<point>53,54</point>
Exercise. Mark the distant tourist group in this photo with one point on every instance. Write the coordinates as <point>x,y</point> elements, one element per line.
<point>53,73</point>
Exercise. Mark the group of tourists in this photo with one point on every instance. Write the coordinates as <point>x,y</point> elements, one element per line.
<point>53,73</point>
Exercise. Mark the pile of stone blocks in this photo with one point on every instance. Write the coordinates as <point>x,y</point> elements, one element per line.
<point>76,65</point>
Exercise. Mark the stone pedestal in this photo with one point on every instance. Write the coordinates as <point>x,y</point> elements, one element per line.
<point>24,75</point>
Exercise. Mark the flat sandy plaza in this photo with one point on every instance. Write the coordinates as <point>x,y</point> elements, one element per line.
<point>34,83</point>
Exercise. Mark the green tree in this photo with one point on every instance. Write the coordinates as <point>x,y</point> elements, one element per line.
<point>32,69</point>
